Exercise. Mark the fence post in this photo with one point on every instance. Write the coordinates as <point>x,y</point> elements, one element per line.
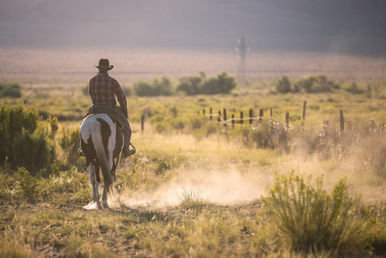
<point>219,117</point>
<point>250,116</point>
<point>225,116</point>
<point>304,111</point>
<point>203,111</point>
<point>341,121</point>
<point>270,112</point>
<point>233,121</point>
<point>142,123</point>
<point>325,127</point>
<point>287,119</point>
<point>241,117</point>
<point>210,113</point>
<point>261,114</point>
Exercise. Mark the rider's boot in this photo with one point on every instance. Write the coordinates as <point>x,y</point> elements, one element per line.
<point>126,151</point>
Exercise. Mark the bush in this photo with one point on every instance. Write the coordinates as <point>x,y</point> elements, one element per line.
<point>283,85</point>
<point>223,83</point>
<point>10,90</point>
<point>25,141</point>
<point>310,219</point>
<point>191,85</point>
<point>158,87</point>
<point>353,88</point>
<point>70,143</point>
<point>194,85</point>
<point>316,84</point>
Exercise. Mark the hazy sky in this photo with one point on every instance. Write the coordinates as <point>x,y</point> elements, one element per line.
<point>354,26</point>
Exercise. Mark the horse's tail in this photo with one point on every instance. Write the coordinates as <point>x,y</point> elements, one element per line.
<point>97,140</point>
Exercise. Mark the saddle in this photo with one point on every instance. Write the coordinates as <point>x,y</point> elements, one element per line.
<point>110,111</point>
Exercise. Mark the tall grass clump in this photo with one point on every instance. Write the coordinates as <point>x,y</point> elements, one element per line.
<point>192,200</point>
<point>309,219</point>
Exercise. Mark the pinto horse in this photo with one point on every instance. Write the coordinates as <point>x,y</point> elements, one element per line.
<point>101,143</point>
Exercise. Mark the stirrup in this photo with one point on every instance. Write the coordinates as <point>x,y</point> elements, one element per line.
<point>129,151</point>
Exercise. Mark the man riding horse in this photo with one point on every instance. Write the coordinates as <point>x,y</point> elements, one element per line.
<point>103,89</point>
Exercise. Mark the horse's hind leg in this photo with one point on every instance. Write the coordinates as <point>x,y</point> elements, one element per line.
<point>104,198</point>
<point>94,184</point>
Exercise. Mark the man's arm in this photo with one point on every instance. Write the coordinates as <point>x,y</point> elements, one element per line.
<point>120,97</point>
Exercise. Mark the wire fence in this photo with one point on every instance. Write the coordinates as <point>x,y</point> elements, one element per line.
<point>249,119</point>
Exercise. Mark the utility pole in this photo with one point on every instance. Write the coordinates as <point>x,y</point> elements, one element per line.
<point>242,50</point>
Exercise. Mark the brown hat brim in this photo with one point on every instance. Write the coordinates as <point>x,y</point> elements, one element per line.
<point>105,67</point>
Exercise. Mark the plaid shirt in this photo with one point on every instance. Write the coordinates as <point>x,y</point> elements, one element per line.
<point>103,89</point>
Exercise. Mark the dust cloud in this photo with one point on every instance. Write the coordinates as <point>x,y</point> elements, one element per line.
<point>214,186</point>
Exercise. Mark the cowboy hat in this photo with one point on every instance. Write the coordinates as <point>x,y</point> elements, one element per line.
<point>104,64</point>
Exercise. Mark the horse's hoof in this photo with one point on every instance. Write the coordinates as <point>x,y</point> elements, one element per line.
<point>92,206</point>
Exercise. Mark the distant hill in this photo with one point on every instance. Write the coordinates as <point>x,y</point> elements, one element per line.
<point>349,26</point>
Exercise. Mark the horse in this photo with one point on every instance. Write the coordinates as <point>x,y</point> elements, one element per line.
<point>101,143</point>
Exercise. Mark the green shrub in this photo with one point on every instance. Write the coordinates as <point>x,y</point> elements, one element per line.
<point>316,84</point>
<point>178,124</point>
<point>158,87</point>
<point>70,143</point>
<point>163,86</point>
<point>193,85</point>
<point>25,140</point>
<point>283,85</point>
<point>223,83</point>
<point>310,219</point>
<point>143,88</point>
<point>32,151</point>
<point>10,90</point>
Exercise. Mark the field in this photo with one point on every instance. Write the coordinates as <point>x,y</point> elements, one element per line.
<point>196,187</point>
